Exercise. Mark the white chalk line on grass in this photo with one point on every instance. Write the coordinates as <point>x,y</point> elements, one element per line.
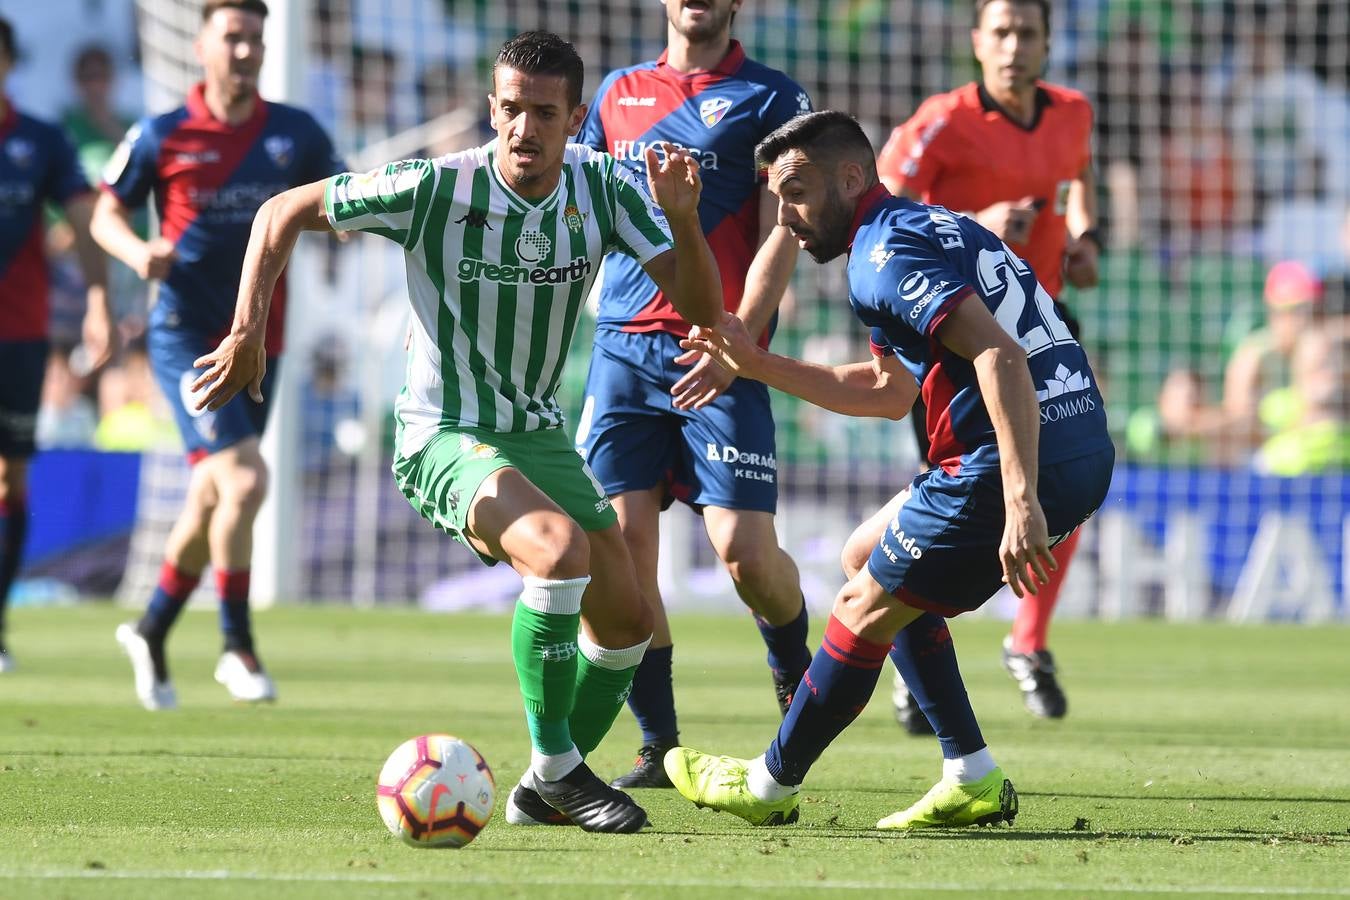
<point>825,885</point>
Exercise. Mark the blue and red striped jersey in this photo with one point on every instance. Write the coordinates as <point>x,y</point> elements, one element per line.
<point>909,266</point>
<point>208,179</point>
<point>37,165</point>
<point>719,117</point>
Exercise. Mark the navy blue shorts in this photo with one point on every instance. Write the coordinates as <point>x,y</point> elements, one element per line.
<point>172,353</point>
<point>634,438</point>
<point>940,552</point>
<point>22,367</point>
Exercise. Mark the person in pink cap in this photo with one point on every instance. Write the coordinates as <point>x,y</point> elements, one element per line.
<point>1260,364</point>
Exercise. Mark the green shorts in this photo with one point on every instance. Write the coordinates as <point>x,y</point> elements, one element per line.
<point>442,479</point>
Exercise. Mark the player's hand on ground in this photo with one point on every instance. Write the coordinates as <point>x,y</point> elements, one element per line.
<point>1010,220</point>
<point>729,344</point>
<point>230,368</point>
<point>1080,262</point>
<point>157,257</point>
<point>703,383</point>
<point>1025,550</point>
<point>98,333</point>
<point>674,180</point>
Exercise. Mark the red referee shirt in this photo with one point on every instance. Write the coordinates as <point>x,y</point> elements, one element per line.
<point>961,151</point>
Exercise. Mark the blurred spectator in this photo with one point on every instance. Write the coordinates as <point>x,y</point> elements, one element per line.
<point>1201,176</point>
<point>1130,78</point>
<point>1261,364</point>
<point>1291,125</point>
<point>442,89</point>
<point>331,426</point>
<point>1308,420</point>
<point>374,107</point>
<point>326,77</point>
<point>92,124</point>
<point>1338,286</point>
<point>133,414</point>
<point>66,417</point>
<point>94,127</point>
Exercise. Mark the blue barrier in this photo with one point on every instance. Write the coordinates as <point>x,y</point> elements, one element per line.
<point>1231,504</point>
<point>77,498</point>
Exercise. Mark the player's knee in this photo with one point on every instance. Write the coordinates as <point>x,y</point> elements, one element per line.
<point>554,546</point>
<point>244,484</point>
<point>854,556</point>
<point>866,611</point>
<point>752,564</point>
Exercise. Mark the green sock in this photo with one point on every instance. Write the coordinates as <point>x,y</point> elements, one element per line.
<point>544,646</point>
<point>604,678</point>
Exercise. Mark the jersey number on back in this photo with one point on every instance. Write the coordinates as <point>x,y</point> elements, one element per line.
<point>994,277</point>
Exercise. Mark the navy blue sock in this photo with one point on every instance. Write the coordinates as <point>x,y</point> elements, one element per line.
<point>788,654</point>
<point>234,613</point>
<point>171,593</point>
<point>13,530</point>
<point>652,698</point>
<point>833,692</point>
<point>926,658</point>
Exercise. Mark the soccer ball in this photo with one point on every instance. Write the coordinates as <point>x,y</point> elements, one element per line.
<point>435,791</point>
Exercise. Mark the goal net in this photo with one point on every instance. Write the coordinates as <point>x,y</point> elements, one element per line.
<point>1222,148</point>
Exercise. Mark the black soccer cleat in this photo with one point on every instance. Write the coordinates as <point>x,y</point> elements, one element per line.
<point>785,689</point>
<point>1035,675</point>
<point>592,804</point>
<point>648,772</point>
<point>908,715</point>
<point>524,806</point>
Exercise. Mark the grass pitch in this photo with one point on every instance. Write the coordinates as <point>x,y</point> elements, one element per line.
<point>1195,761</point>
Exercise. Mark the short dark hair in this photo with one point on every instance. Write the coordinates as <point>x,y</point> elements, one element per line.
<point>826,136</point>
<point>253,6</point>
<point>7,38</point>
<point>544,53</point>
<point>1043,5</point>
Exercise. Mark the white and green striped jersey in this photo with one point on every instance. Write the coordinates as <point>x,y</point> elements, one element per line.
<point>496,281</point>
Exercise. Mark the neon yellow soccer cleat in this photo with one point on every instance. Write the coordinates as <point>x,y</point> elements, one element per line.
<point>720,783</point>
<point>989,801</point>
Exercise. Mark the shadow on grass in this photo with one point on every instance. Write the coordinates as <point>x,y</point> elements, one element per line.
<point>1193,797</point>
<point>809,833</point>
<point>1157,798</point>
<point>173,754</point>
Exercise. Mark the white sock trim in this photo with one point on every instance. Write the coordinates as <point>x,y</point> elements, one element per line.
<point>762,784</point>
<point>558,596</point>
<point>616,660</point>
<point>969,768</point>
<point>552,767</point>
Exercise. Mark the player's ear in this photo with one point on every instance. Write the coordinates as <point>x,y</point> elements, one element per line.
<point>574,121</point>
<point>852,180</point>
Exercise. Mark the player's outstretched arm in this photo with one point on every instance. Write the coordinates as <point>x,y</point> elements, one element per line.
<point>879,388</point>
<point>1010,397</point>
<point>687,274</point>
<point>240,361</point>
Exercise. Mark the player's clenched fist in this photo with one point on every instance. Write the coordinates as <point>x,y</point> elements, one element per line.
<point>674,181</point>
<point>157,258</point>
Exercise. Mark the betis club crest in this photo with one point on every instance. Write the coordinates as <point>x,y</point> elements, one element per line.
<point>711,111</point>
<point>573,217</point>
